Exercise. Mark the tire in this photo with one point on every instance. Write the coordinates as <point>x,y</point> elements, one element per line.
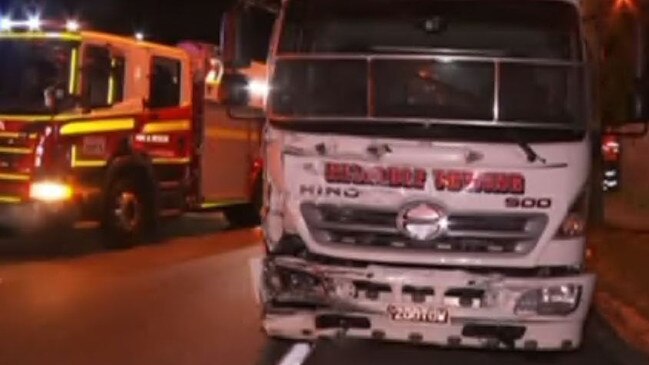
<point>128,215</point>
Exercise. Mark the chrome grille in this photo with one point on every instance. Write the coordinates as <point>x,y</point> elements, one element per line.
<point>372,228</point>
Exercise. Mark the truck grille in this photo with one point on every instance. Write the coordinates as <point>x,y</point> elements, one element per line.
<point>377,228</point>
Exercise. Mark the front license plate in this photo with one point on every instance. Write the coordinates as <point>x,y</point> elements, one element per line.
<point>411,313</point>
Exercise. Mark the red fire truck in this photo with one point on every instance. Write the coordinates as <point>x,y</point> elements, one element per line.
<point>114,130</point>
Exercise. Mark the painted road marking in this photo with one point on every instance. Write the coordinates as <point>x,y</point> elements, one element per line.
<point>297,355</point>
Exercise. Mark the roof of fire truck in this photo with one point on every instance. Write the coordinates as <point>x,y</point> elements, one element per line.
<point>36,28</point>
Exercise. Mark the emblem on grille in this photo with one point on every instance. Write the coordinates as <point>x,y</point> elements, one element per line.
<point>422,221</point>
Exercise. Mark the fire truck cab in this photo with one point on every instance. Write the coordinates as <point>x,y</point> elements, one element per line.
<point>115,130</point>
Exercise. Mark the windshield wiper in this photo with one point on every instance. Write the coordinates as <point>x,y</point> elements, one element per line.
<point>532,156</point>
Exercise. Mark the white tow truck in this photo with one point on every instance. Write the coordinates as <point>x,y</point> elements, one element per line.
<point>427,169</point>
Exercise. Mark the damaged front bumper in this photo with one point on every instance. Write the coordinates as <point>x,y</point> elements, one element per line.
<point>306,300</point>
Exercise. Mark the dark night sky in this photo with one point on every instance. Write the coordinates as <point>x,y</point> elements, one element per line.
<point>163,20</point>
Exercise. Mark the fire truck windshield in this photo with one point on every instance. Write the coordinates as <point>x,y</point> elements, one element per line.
<point>29,67</point>
<point>474,62</point>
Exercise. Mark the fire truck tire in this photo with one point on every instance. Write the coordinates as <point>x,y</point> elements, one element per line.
<point>129,213</point>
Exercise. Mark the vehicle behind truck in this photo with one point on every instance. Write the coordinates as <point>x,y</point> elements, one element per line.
<point>427,170</point>
<point>109,130</point>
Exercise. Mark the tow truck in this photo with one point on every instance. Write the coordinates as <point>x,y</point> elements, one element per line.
<point>116,131</point>
<point>427,168</point>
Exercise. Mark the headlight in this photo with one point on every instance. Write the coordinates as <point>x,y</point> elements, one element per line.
<point>50,191</point>
<point>291,285</point>
<point>559,300</point>
<point>574,223</point>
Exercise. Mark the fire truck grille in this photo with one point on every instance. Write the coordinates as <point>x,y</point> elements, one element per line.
<point>376,228</point>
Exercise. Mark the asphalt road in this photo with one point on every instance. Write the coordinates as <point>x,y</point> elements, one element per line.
<point>187,300</point>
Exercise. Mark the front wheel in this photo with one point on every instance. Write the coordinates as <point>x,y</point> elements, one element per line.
<point>129,213</point>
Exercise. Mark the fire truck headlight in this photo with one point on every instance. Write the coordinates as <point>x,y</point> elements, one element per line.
<point>258,88</point>
<point>559,300</point>
<point>50,191</point>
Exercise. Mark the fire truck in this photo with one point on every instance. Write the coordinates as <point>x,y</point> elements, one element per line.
<point>117,131</point>
<point>427,168</point>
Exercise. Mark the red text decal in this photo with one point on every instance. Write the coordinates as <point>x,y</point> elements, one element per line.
<point>396,177</point>
<point>490,182</point>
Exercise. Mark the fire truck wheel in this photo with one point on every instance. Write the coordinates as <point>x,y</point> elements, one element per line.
<point>129,214</point>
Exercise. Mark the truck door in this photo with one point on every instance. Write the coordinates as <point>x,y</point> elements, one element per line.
<point>226,155</point>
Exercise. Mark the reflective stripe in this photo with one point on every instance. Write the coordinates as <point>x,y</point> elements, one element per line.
<point>230,133</point>
<point>40,35</point>
<point>17,135</point>
<point>223,203</point>
<point>84,163</point>
<point>16,151</point>
<point>96,126</point>
<point>74,59</point>
<point>14,177</point>
<point>111,83</point>
<point>88,163</point>
<point>10,199</point>
<point>171,161</point>
<point>168,126</point>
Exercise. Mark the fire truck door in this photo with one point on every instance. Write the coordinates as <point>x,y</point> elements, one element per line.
<point>226,155</point>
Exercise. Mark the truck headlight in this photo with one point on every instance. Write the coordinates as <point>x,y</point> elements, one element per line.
<point>574,223</point>
<point>50,191</point>
<point>558,300</point>
<point>284,284</point>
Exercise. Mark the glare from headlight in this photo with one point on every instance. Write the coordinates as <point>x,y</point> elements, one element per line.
<point>50,191</point>
<point>258,88</point>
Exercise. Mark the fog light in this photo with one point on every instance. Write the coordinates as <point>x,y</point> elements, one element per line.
<point>573,225</point>
<point>49,191</point>
<point>559,300</point>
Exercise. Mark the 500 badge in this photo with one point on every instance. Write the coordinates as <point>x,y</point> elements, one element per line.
<point>528,203</point>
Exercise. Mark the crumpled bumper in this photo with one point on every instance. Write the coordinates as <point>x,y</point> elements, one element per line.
<point>478,310</point>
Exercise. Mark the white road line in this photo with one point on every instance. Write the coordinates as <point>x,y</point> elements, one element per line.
<point>296,355</point>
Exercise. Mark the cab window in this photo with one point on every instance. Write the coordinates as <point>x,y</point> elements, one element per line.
<point>104,74</point>
<point>165,83</point>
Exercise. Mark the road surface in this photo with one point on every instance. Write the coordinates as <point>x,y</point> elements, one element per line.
<point>187,300</point>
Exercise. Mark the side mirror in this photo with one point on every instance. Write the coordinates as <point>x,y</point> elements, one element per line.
<point>235,47</point>
<point>233,90</point>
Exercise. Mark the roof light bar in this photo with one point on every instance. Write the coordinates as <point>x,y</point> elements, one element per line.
<point>33,22</point>
<point>72,25</point>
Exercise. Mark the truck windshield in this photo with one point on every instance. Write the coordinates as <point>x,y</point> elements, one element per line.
<point>28,67</point>
<point>472,61</point>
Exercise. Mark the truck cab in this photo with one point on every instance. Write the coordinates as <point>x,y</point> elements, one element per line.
<point>427,170</point>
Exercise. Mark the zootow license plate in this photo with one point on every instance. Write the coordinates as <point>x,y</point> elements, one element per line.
<point>417,314</point>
